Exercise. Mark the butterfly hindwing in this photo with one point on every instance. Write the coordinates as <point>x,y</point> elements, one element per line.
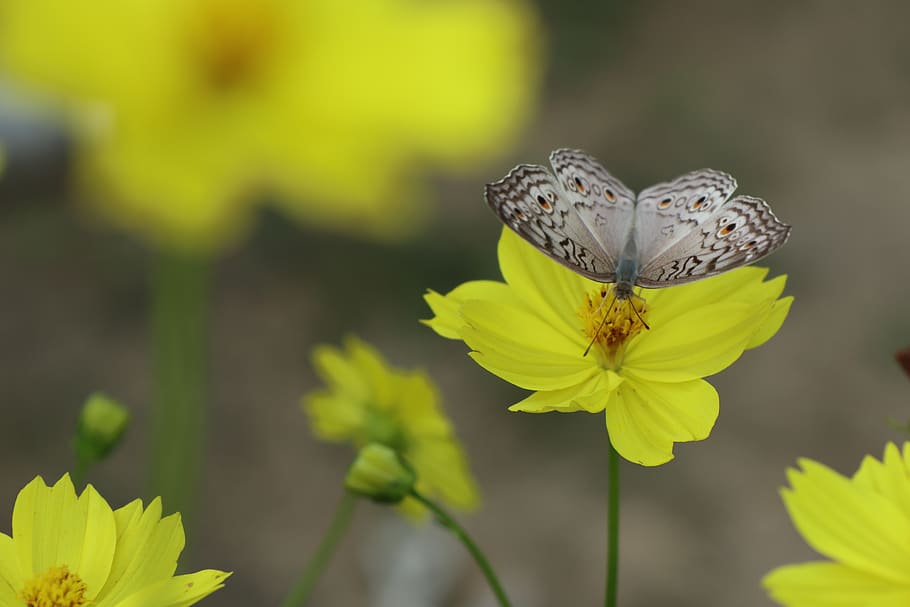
<point>532,204</point>
<point>738,233</point>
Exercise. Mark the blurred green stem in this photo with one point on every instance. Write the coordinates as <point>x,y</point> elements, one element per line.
<point>80,472</point>
<point>447,521</point>
<point>612,528</point>
<point>180,307</point>
<point>307,580</point>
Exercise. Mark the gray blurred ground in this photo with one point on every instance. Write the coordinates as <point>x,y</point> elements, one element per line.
<point>808,104</point>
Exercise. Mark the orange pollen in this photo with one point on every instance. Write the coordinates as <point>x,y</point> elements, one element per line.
<point>56,587</point>
<point>610,323</point>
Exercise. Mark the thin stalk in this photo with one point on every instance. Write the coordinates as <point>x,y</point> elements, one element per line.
<point>310,575</point>
<point>447,521</point>
<point>612,528</point>
<point>179,323</point>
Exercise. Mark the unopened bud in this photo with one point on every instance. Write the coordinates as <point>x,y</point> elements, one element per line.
<point>380,474</point>
<point>101,426</point>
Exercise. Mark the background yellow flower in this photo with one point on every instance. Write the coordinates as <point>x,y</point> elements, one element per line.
<point>190,110</point>
<point>860,523</point>
<point>70,551</point>
<point>367,401</point>
<point>533,330</point>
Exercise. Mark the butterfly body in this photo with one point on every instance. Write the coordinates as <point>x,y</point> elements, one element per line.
<point>669,234</point>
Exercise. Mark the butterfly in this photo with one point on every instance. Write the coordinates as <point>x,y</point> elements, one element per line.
<point>669,234</point>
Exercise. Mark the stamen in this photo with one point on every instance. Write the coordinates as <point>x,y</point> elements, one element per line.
<point>56,587</point>
<point>612,326</point>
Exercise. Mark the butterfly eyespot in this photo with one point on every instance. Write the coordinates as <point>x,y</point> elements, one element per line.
<point>610,195</point>
<point>582,185</point>
<point>551,196</point>
<point>665,203</point>
<point>700,203</point>
<point>543,202</point>
<point>749,244</point>
<point>570,185</point>
<point>726,229</point>
<point>596,189</point>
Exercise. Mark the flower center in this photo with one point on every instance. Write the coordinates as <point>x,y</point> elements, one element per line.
<point>56,587</point>
<point>610,323</point>
<point>232,41</point>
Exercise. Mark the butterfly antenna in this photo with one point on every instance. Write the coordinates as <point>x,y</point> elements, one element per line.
<point>603,321</point>
<point>637,313</point>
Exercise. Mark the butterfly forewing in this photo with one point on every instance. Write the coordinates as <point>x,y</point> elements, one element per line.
<point>669,212</point>
<point>740,232</point>
<point>603,202</point>
<point>531,203</point>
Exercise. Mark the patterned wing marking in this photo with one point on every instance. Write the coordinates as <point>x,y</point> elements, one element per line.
<point>604,204</point>
<point>531,203</point>
<point>667,212</point>
<point>743,231</point>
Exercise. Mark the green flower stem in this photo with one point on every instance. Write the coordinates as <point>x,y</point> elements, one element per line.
<point>482,562</point>
<point>612,528</point>
<point>180,307</point>
<point>307,580</point>
<point>80,472</point>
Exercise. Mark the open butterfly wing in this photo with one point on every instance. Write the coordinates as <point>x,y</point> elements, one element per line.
<point>738,233</point>
<point>531,203</point>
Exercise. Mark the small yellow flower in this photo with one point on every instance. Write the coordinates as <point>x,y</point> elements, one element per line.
<point>533,330</point>
<point>69,551</point>
<point>367,401</point>
<point>192,110</point>
<point>862,524</point>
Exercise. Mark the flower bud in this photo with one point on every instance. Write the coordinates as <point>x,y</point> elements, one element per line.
<point>102,423</point>
<point>380,474</point>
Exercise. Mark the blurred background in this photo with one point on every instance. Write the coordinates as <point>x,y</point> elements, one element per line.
<point>807,104</point>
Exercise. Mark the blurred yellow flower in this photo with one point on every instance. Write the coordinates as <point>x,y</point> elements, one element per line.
<point>862,524</point>
<point>367,401</point>
<point>191,109</point>
<point>533,329</point>
<point>69,551</point>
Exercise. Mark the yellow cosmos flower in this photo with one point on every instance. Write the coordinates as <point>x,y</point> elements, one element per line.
<point>367,401</point>
<point>862,524</point>
<point>69,551</point>
<point>192,108</point>
<point>533,330</point>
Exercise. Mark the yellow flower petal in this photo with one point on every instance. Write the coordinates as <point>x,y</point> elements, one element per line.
<point>11,578</point>
<point>853,525</point>
<point>525,270</point>
<point>889,477</point>
<point>445,463</point>
<point>177,591</point>
<point>51,528</point>
<point>668,303</point>
<point>447,321</point>
<point>822,584</point>
<point>645,418</point>
<point>590,396</point>
<point>696,344</point>
<point>775,320</point>
<point>148,548</point>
